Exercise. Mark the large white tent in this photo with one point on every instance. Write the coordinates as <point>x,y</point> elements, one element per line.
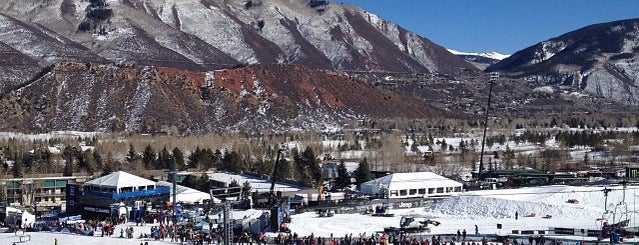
<point>120,181</point>
<point>188,195</point>
<point>411,185</point>
<point>14,216</point>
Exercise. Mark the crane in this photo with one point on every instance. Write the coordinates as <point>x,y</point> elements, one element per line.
<point>273,177</point>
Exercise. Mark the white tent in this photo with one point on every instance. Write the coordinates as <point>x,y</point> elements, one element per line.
<point>120,181</point>
<point>22,217</point>
<point>188,195</point>
<point>411,185</point>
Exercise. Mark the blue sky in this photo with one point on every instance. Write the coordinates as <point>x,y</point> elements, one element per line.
<point>505,26</point>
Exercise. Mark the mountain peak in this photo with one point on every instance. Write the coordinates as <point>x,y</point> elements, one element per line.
<point>600,59</point>
<point>491,55</point>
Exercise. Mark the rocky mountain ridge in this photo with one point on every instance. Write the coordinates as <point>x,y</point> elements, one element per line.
<point>196,66</point>
<point>97,97</point>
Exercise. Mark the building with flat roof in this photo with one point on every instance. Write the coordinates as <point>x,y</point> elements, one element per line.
<point>45,191</point>
<point>95,198</point>
<point>261,185</point>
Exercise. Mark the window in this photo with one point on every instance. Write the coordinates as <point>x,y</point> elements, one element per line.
<point>61,183</point>
<point>48,183</point>
<point>421,191</point>
<point>412,192</point>
<point>458,189</point>
<point>393,193</point>
<point>402,192</point>
<point>431,190</point>
<point>14,185</point>
<point>440,190</point>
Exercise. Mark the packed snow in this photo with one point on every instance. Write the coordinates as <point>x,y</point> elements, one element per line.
<point>486,209</point>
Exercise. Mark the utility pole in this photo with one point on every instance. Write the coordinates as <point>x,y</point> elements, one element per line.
<point>493,76</point>
<point>174,173</point>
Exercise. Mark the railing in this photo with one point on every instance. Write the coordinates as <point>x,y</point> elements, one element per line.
<point>117,196</point>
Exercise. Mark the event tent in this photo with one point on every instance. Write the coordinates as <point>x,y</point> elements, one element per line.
<point>14,216</point>
<point>120,181</point>
<point>411,185</point>
<point>188,195</point>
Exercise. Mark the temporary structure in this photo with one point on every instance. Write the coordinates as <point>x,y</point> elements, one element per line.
<point>411,185</point>
<point>119,182</point>
<point>20,218</point>
<point>188,195</point>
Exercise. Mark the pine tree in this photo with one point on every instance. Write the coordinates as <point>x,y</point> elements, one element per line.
<point>89,161</point>
<point>342,180</point>
<point>194,158</point>
<point>18,169</point>
<point>165,160</point>
<point>302,174</point>
<point>84,161</point>
<point>232,162</point>
<point>362,173</point>
<point>283,170</point>
<point>217,157</point>
<point>178,157</point>
<point>246,189</point>
<point>149,157</point>
<point>131,155</point>
<point>68,154</point>
<point>312,164</point>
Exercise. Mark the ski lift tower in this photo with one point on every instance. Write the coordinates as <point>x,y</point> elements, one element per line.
<point>492,77</point>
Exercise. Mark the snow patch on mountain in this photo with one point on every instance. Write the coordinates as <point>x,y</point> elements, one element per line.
<point>142,97</point>
<point>548,50</point>
<point>215,28</point>
<point>80,108</point>
<point>490,55</point>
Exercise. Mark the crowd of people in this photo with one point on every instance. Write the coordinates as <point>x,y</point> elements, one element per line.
<point>381,238</point>
<point>185,231</point>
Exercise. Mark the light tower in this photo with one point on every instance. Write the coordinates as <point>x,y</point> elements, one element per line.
<point>492,77</point>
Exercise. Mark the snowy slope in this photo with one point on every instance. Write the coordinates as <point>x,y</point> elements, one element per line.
<point>488,208</point>
<point>171,32</point>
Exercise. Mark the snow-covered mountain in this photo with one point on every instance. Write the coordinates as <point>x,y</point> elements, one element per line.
<point>480,60</point>
<point>148,65</point>
<point>601,60</point>
<point>204,65</point>
<point>208,34</point>
<point>490,55</point>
